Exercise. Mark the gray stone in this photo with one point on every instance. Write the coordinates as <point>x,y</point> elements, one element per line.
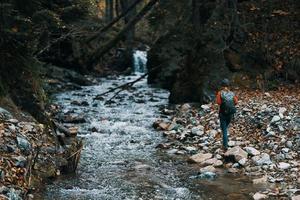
<point>259,196</point>
<point>231,143</point>
<point>243,161</point>
<point>3,189</point>
<point>252,151</point>
<point>185,107</point>
<point>237,153</point>
<point>208,175</point>
<point>282,110</point>
<point>198,130</point>
<point>14,194</point>
<point>276,118</point>
<point>172,151</point>
<point>297,197</point>
<point>263,159</point>
<point>289,144</point>
<point>200,157</point>
<point>261,180</point>
<point>23,144</point>
<point>285,150</point>
<point>205,107</point>
<point>12,128</point>
<point>283,165</point>
<point>218,163</point>
<point>4,114</point>
<point>20,161</point>
<point>209,168</point>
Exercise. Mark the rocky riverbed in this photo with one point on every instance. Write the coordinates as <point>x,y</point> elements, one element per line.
<point>264,140</point>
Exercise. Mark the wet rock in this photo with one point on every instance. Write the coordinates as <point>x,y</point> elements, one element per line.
<point>218,163</point>
<point>276,118</point>
<point>13,121</point>
<point>243,161</point>
<point>237,153</point>
<point>14,194</point>
<point>142,167</point>
<point>252,151</point>
<point>210,161</point>
<point>205,107</point>
<point>11,148</point>
<point>289,144</point>
<point>263,159</point>
<point>209,168</point>
<point>185,107</point>
<point>190,149</point>
<point>73,119</point>
<point>4,114</point>
<point>94,129</point>
<point>78,103</point>
<point>208,175</point>
<point>23,144</point>
<point>161,125</point>
<point>259,196</point>
<point>200,157</point>
<point>172,151</point>
<point>233,170</point>
<point>20,161</point>
<point>283,165</point>
<point>262,180</point>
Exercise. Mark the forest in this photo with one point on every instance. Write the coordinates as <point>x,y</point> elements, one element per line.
<point>130,99</point>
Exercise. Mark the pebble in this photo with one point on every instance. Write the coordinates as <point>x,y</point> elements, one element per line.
<point>20,161</point>
<point>283,165</point>
<point>23,144</point>
<point>259,196</point>
<point>263,159</point>
<point>289,144</point>
<point>252,151</point>
<point>276,118</point>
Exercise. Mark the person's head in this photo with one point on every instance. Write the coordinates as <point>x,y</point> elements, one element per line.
<point>225,83</point>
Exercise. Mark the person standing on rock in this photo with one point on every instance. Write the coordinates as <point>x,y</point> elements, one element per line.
<point>227,101</point>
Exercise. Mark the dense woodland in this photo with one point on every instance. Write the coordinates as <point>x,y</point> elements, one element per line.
<point>192,46</point>
<point>193,42</point>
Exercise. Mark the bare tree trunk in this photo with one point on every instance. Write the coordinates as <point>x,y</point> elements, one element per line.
<point>109,10</point>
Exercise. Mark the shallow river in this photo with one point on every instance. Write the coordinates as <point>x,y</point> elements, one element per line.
<point>120,161</point>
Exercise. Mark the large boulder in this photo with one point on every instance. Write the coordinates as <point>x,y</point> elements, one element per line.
<point>237,153</point>
<point>200,157</point>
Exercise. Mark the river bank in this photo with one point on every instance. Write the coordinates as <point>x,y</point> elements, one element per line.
<point>33,152</point>
<point>264,140</point>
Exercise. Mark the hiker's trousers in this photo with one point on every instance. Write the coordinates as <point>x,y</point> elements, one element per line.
<point>224,123</point>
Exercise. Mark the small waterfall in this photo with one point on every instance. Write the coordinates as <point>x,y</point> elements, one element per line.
<point>140,61</point>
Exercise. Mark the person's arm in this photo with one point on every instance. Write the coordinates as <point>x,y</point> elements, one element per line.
<point>235,98</point>
<point>218,98</point>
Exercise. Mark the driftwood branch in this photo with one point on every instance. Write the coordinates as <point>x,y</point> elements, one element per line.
<point>121,87</point>
<point>126,85</point>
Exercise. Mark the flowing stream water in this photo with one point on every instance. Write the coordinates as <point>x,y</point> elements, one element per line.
<point>119,159</point>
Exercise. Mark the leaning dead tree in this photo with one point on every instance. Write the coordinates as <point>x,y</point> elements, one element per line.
<point>114,21</point>
<point>110,44</point>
